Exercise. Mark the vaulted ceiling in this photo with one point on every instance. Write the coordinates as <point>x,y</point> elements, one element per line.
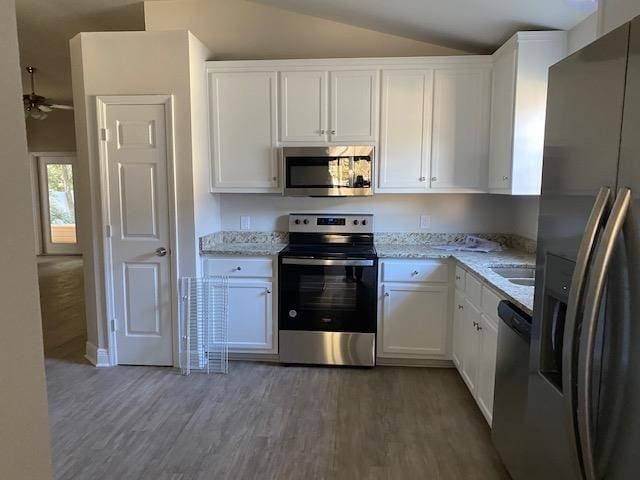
<point>45,26</point>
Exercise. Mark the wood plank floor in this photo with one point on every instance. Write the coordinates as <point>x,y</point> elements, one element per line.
<point>262,421</point>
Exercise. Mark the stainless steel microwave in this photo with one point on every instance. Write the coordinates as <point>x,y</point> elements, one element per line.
<point>335,171</point>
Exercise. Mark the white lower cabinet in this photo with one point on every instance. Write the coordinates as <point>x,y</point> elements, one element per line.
<point>414,310</point>
<point>475,341</point>
<point>250,315</point>
<point>252,321</point>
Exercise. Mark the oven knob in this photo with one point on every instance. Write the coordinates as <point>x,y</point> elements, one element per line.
<point>297,221</point>
<point>305,221</point>
<point>356,222</point>
<point>293,313</point>
<point>364,222</point>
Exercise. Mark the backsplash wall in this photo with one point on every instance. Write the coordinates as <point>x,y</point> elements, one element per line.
<point>450,213</point>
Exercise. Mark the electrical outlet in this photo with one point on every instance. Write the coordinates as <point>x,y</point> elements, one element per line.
<point>425,221</point>
<point>245,222</point>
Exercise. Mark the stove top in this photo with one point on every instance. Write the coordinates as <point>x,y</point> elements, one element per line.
<point>329,251</point>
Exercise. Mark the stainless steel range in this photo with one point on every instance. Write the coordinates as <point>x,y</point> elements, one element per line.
<point>328,276</point>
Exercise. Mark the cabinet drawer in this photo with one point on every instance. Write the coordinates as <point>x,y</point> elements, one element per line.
<point>473,289</point>
<point>490,301</point>
<point>415,271</point>
<point>460,277</point>
<point>239,267</point>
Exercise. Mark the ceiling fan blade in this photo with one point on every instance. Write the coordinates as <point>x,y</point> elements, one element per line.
<point>61,107</point>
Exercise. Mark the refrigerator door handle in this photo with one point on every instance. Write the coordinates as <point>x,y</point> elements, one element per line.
<point>596,219</point>
<point>593,301</point>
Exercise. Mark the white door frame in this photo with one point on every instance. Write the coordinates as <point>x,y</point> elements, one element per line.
<point>38,212</point>
<point>102,102</point>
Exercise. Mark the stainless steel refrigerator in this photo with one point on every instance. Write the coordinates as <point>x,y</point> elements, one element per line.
<point>583,402</point>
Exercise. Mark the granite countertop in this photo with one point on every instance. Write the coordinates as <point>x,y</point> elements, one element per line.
<point>478,263</point>
<point>244,249</point>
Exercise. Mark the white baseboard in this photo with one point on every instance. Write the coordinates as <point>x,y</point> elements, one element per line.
<point>99,357</point>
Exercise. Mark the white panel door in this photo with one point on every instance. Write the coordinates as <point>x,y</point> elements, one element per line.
<point>243,131</point>
<point>303,106</point>
<point>414,319</point>
<point>354,106</point>
<point>471,345</point>
<point>487,366</point>
<point>461,103</point>
<point>458,329</point>
<point>250,315</point>
<point>136,160</point>
<point>405,130</point>
<point>502,117</point>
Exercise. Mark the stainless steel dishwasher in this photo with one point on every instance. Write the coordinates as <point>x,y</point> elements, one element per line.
<point>510,397</point>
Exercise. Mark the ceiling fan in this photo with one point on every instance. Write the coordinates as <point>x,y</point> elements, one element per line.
<point>37,106</point>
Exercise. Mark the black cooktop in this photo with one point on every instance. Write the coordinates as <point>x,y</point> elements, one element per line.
<point>330,251</point>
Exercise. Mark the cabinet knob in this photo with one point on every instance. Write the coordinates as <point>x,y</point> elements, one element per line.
<point>475,324</point>
<point>458,277</point>
<point>422,179</point>
<point>505,178</point>
<point>274,178</point>
<point>332,132</point>
<point>238,268</point>
<point>478,327</point>
<point>386,294</point>
<point>267,291</point>
<point>460,307</point>
<point>322,132</point>
<point>415,272</point>
<point>434,179</point>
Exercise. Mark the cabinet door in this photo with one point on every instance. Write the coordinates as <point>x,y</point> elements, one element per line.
<point>405,131</point>
<point>303,106</point>
<point>502,116</point>
<point>460,153</point>
<point>487,366</point>
<point>458,329</point>
<point>470,345</point>
<point>250,316</point>
<point>354,106</point>
<point>242,109</point>
<point>414,320</point>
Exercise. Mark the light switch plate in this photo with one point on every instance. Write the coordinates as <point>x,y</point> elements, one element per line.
<point>245,222</point>
<point>425,221</point>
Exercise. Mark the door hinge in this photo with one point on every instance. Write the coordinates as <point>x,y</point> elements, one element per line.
<point>104,134</point>
<point>108,231</point>
<point>113,325</point>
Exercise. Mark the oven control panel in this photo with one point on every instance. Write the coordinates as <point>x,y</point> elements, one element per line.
<point>331,223</point>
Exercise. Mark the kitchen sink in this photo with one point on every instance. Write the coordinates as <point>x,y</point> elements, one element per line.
<point>518,275</point>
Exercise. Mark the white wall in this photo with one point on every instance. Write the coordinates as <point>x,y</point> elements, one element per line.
<point>613,13</point>
<point>450,213</point>
<point>133,63</point>
<point>583,34</point>
<point>241,30</point>
<point>24,426</point>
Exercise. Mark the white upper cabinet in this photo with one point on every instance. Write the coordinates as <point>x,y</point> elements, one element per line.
<point>322,107</point>
<point>518,110</point>
<point>461,114</point>
<point>354,106</point>
<point>303,106</point>
<point>405,134</point>
<point>242,118</point>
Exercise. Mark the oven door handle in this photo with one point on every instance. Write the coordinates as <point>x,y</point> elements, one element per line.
<point>328,262</point>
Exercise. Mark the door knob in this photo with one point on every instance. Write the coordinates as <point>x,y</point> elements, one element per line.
<point>161,252</point>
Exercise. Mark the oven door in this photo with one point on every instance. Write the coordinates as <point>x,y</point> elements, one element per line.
<point>328,171</point>
<point>328,295</point>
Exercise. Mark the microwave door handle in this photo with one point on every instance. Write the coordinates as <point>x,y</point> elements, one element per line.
<point>576,291</point>
<point>593,302</point>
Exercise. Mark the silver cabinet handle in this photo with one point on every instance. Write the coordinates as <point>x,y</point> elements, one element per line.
<point>505,178</point>
<point>267,291</point>
<point>460,307</point>
<point>422,179</point>
<point>238,268</point>
<point>458,277</point>
<point>593,300</point>
<point>332,132</point>
<point>415,272</point>
<point>161,252</point>
<point>478,327</point>
<point>475,324</point>
<point>575,299</point>
<point>386,294</point>
<point>434,179</point>
<point>322,132</point>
